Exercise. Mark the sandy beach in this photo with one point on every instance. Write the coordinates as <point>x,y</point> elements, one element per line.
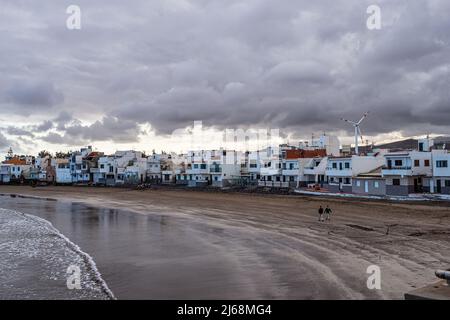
<point>300,257</point>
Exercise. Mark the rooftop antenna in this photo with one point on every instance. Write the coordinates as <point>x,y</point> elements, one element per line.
<point>10,153</point>
<point>356,125</point>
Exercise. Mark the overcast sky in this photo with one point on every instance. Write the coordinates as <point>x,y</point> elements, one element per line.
<point>137,70</point>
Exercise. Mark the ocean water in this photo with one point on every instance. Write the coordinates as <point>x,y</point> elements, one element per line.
<point>35,258</point>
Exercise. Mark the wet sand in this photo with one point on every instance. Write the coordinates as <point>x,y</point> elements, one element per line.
<point>34,259</point>
<point>274,247</point>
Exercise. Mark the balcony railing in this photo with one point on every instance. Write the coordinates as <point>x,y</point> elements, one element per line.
<point>396,168</point>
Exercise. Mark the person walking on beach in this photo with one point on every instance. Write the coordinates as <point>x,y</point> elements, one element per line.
<point>320,213</point>
<point>328,212</point>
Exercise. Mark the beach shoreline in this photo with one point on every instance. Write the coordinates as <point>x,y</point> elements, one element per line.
<point>408,241</point>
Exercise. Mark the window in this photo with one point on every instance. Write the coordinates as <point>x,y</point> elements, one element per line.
<point>427,163</point>
<point>376,184</point>
<point>396,182</point>
<point>389,163</point>
<point>347,165</point>
<point>441,164</point>
<point>447,183</point>
<point>111,169</point>
<point>203,166</point>
<point>278,178</point>
<point>417,163</point>
<point>291,166</point>
<point>340,165</point>
<point>334,165</point>
<point>102,166</point>
<point>195,166</point>
<point>398,163</point>
<point>347,181</point>
<point>358,183</point>
<point>421,146</point>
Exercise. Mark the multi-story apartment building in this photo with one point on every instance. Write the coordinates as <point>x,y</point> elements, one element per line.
<point>440,180</point>
<point>407,172</point>
<point>341,170</point>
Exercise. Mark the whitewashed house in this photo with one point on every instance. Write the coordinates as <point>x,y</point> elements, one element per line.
<point>225,167</point>
<point>79,167</point>
<point>5,173</point>
<point>440,180</point>
<point>18,165</point>
<point>295,162</point>
<point>253,163</point>
<point>270,172</point>
<point>315,172</point>
<point>105,174</point>
<point>197,169</point>
<point>44,169</point>
<point>154,168</point>
<point>341,170</point>
<point>330,144</point>
<point>130,167</point>
<point>407,172</point>
<point>62,171</point>
<point>172,166</point>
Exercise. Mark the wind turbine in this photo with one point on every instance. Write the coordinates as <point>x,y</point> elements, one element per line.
<point>357,129</point>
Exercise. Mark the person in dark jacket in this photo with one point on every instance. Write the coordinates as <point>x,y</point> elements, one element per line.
<point>328,212</point>
<point>320,213</point>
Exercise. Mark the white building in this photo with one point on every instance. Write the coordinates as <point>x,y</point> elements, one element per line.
<point>440,181</point>
<point>294,164</point>
<point>225,167</point>
<point>341,170</point>
<point>154,168</point>
<point>5,173</point>
<point>63,171</point>
<point>79,167</point>
<point>172,166</point>
<point>315,172</point>
<point>130,167</point>
<point>270,171</point>
<point>330,144</point>
<point>407,172</point>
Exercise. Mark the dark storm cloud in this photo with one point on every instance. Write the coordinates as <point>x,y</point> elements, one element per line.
<point>24,94</point>
<point>296,65</point>
<point>107,129</point>
<point>54,138</point>
<point>14,131</point>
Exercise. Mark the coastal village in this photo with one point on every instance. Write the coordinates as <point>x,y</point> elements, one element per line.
<point>322,165</point>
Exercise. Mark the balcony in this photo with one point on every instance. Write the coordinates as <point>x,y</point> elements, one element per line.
<point>215,170</point>
<point>270,171</point>
<point>345,172</point>
<point>397,171</point>
<point>290,172</point>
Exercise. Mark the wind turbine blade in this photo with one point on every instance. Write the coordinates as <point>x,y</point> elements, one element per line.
<point>363,117</point>
<point>348,121</point>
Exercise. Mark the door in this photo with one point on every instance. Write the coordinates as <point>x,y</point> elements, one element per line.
<point>366,186</point>
<point>438,186</point>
